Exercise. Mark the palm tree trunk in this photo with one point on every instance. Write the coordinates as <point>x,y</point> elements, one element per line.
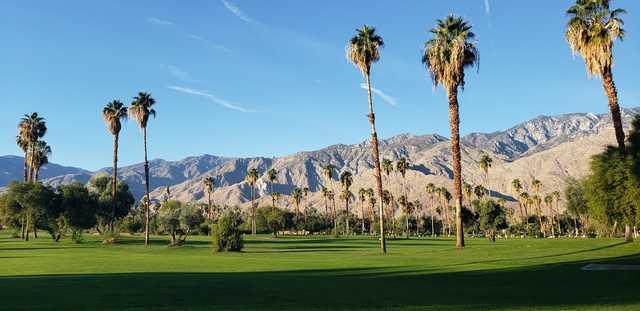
<point>26,167</point>
<point>376,160</point>
<point>612,94</point>
<point>346,207</point>
<point>26,238</point>
<point>114,182</point>
<point>628,233</point>
<point>253,210</point>
<point>454,120</point>
<point>362,211</point>
<point>146,187</point>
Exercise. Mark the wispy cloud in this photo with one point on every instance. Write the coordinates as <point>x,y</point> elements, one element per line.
<point>487,7</point>
<point>157,21</point>
<point>211,97</point>
<point>388,99</point>
<point>211,44</point>
<point>177,72</point>
<point>235,10</point>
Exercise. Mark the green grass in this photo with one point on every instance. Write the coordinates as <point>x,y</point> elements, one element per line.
<point>318,273</point>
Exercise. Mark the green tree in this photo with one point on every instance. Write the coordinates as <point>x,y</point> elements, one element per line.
<point>491,216</point>
<point>227,235</point>
<point>113,113</point>
<point>141,109</point>
<point>592,29</point>
<point>39,156</point>
<point>363,51</point>
<point>446,56</point>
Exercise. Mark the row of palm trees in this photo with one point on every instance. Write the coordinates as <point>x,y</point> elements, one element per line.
<point>592,29</point>
<point>114,113</point>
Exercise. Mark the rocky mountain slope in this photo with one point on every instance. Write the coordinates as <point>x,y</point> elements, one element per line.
<point>550,148</point>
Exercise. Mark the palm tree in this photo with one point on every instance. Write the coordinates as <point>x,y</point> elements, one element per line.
<point>272,175</point>
<point>327,171</point>
<point>535,185</point>
<point>362,197</point>
<point>387,167</point>
<point>40,156</point>
<point>446,198</point>
<point>364,50</point>
<point>251,178</point>
<point>30,129</point>
<point>305,194</point>
<point>371,196</point>
<point>346,179</point>
<point>485,164</point>
<point>430,189</point>
<point>446,56</point>
<point>516,185</point>
<point>401,166</point>
<point>141,109</point>
<point>592,29</point>
<point>467,192</point>
<point>537,201</point>
<point>325,196</point>
<point>209,187</point>
<point>524,200</point>
<point>332,197</point>
<point>113,113</point>
<point>296,197</point>
<point>404,203</point>
<point>556,200</point>
<point>548,201</point>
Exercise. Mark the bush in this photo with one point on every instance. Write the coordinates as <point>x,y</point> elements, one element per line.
<point>227,233</point>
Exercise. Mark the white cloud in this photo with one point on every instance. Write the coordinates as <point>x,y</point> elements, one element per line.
<point>177,72</point>
<point>211,97</point>
<point>209,43</point>
<point>487,7</point>
<point>237,11</point>
<point>388,99</point>
<point>157,21</point>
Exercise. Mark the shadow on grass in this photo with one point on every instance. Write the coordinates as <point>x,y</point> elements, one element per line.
<point>555,286</point>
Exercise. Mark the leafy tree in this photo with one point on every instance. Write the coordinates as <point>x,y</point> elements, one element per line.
<point>446,56</point>
<point>79,208</point>
<point>363,51</point>
<point>491,217</point>
<point>124,199</point>
<point>141,109</point>
<point>227,235</point>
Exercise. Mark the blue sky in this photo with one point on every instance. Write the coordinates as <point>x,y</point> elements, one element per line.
<point>269,78</point>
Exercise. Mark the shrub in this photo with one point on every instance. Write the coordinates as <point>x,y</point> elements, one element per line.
<point>227,233</point>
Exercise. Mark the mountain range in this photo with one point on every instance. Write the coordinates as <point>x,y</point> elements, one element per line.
<point>549,148</point>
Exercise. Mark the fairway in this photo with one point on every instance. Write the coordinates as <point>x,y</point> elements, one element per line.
<point>318,273</point>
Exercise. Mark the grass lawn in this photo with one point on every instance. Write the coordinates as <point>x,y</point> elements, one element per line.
<point>317,273</point>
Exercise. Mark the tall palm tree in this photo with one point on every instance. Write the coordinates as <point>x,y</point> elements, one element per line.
<point>325,196</point>
<point>524,200</point>
<point>430,188</point>
<point>362,198</point>
<point>404,203</point>
<point>371,196</point>
<point>363,50</point>
<point>536,184</point>
<point>485,164</point>
<point>332,197</point>
<point>387,168</point>
<point>305,195</point>
<point>40,156</point>
<point>516,185</point>
<point>141,109</point>
<point>327,171</point>
<point>31,128</point>
<point>467,193</point>
<point>272,175</point>
<point>402,166</point>
<point>446,198</point>
<point>446,56</point>
<point>296,197</point>
<point>592,29</point>
<point>209,187</point>
<point>548,201</point>
<point>537,202</point>
<point>113,113</point>
<point>556,200</point>
<point>251,178</point>
<point>346,179</point>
